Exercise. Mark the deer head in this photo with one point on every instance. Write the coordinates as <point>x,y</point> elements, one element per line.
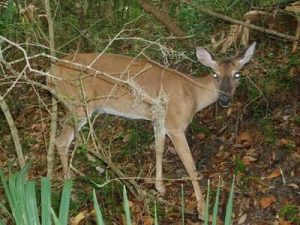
<point>226,72</point>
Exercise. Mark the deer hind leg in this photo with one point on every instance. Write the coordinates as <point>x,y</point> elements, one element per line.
<point>182,148</point>
<point>64,140</point>
<point>160,135</point>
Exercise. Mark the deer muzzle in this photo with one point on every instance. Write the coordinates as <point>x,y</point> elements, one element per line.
<point>224,100</point>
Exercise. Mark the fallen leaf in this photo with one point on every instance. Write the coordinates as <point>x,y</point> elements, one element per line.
<point>242,219</point>
<point>147,220</point>
<point>274,174</point>
<point>293,185</point>
<point>130,204</point>
<point>200,136</point>
<point>126,138</point>
<point>248,159</point>
<point>245,136</point>
<point>283,222</point>
<point>265,202</point>
<point>287,142</point>
<point>78,218</point>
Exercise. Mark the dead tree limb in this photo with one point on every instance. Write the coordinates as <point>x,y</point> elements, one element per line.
<point>165,6</point>
<point>50,153</point>
<point>251,26</point>
<point>13,131</point>
<point>165,19</point>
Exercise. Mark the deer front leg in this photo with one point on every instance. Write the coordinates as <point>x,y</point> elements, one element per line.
<point>182,148</point>
<point>159,134</point>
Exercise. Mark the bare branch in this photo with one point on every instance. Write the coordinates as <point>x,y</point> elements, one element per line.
<point>13,131</point>
<point>251,26</point>
<point>50,153</point>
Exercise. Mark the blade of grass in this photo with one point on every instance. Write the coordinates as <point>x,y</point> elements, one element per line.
<point>18,184</point>
<point>229,207</point>
<point>55,219</point>
<point>6,190</point>
<point>99,217</point>
<point>216,206</point>
<point>126,207</point>
<point>46,200</point>
<point>15,203</point>
<point>31,205</point>
<point>65,202</point>
<point>206,215</point>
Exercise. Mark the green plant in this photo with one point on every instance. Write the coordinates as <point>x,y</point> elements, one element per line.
<point>268,130</point>
<point>229,207</point>
<point>138,139</point>
<point>21,196</point>
<point>239,166</point>
<point>297,120</point>
<point>291,213</point>
<point>7,16</point>
<point>99,217</point>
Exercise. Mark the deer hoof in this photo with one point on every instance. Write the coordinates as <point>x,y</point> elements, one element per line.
<point>200,209</point>
<point>160,187</point>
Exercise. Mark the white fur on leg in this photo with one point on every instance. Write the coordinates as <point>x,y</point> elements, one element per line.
<point>160,187</point>
<point>160,135</point>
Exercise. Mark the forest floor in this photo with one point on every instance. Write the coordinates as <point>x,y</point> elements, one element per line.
<point>257,138</point>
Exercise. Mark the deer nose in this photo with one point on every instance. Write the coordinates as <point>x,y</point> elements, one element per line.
<point>224,100</point>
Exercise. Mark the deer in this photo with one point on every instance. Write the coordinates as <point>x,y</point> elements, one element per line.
<point>103,80</point>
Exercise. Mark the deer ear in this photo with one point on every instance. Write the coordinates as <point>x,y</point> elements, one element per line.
<point>205,58</point>
<point>248,55</point>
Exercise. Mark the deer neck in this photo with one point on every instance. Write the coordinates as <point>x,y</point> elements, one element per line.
<point>206,92</point>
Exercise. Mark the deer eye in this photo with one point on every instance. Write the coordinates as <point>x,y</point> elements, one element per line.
<point>237,76</point>
<point>215,75</point>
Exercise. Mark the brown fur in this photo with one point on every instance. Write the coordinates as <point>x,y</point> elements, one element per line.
<point>103,87</point>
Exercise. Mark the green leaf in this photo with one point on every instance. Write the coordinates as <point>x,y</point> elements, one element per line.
<point>30,202</point>
<point>99,217</point>
<point>229,207</point>
<point>216,206</point>
<point>55,219</point>
<point>65,202</point>
<point>126,207</point>
<point>206,215</point>
<point>15,193</point>
<point>46,200</point>
<point>18,188</point>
